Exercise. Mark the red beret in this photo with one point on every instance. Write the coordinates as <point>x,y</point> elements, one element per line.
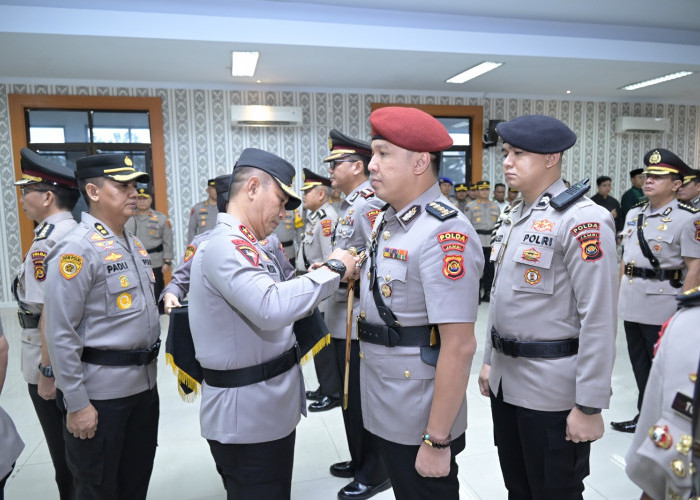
<point>409,128</point>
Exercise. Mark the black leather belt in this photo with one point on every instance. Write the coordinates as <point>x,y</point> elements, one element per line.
<point>404,336</point>
<point>662,274</point>
<point>157,249</point>
<point>484,231</point>
<point>524,349</point>
<point>253,374</point>
<point>287,243</point>
<point>28,320</point>
<point>109,357</point>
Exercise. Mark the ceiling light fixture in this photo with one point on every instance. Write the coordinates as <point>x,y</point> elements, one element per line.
<point>474,71</point>
<point>655,81</point>
<point>244,63</point>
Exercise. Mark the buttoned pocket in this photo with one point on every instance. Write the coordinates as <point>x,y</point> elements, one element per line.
<point>123,295</point>
<point>655,287</point>
<point>533,272</point>
<point>391,281</point>
<point>659,447</point>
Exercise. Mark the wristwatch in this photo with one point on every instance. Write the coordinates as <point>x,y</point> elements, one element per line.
<point>336,265</point>
<point>588,410</point>
<point>46,371</point>
<point>168,262</point>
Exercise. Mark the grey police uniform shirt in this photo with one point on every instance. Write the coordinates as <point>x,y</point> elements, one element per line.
<point>289,234</point>
<point>180,281</point>
<point>316,241</point>
<point>428,270</point>
<point>241,314</point>
<point>10,442</point>
<point>31,284</point>
<point>483,215</point>
<point>649,465</point>
<point>695,202</point>
<point>99,294</point>
<point>672,232</point>
<point>555,278</point>
<point>202,218</point>
<point>358,210</point>
<point>153,230</point>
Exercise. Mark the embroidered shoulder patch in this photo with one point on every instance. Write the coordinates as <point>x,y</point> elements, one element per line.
<point>189,252</point>
<point>39,270</point>
<point>452,240</point>
<point>453,267</point>
<point>70,265</point>
<point>44,232</point>
<point>697,230</point>
<point>326,226</point>
<point>247,232</point>
<point>366,193</point>
<point>441,210</point>
<point>590,246</point>
<point>372,215</point>
<point>586,226</point>
<point>248,251</point>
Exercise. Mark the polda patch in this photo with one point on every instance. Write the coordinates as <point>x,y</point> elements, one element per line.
<point>453,267</point>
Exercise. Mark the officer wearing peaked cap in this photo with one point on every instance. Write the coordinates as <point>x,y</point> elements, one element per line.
<point>661,254</point>
<point>347,163</point>
<point>102,332</point>
<point>548,377</point>
<point>253,391</point>
<point>418,305</point>
<point>315,247</point>
<point>48,194</point>
<point>689,192</point>
<point>664,454</point>
<point>203,214</point>
<point>154,230</point>
<point>483,214</point>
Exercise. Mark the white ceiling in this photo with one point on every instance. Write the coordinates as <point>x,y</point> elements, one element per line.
<point>590,47</point>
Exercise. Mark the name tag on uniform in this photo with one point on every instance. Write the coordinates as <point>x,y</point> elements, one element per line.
<point>683,404</point>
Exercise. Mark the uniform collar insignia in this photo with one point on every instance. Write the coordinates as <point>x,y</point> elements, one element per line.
<point>544,200</point>
<point>410,214</point>
<point>101,229</point>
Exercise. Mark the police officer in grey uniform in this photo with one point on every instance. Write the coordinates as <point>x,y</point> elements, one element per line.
<point>154,230</point>
<point>661,254</point>
<point>49,193</point>
<point>483,214</point>
<point>689,192</point>
<point>347,165</point>
<point>253,391</point>
<point>315,246</point>
<point>550,339</point>
<point>418,306</point>
<point>10,442</point>
<point>659,459</point>
<point>289,233</point>
<point>203,214</point>
<point>461,196</point>
<point>102,332</point>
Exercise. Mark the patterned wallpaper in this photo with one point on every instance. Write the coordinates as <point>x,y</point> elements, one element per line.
<point>200,142</point>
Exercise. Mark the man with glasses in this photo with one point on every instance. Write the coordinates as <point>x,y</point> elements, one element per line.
<point>49,193</point>
<point>347,164</point>
<point>661,258</point>
<point>689,192</point>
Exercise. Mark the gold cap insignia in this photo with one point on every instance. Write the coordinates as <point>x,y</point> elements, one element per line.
<point>128,162</point>
<point>655,158</point>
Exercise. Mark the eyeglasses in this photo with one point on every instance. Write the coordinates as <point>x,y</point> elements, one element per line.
<point>27,189</point>
<point>333,164</point>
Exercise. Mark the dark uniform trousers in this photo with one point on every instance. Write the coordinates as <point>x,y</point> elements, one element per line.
<point>158,286</point>
<point>400,460</point>
<point>51,421</point>
<point>327,375</point>
<point>641,339</point>
<point>487,277</point>
<point>117,463</point>
<point>257,471</point>
<point>364,449</point>
<point>537,461</point>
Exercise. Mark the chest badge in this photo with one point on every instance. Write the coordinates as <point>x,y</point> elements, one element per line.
<point>532,276</point>
<point>123,281</point>
<point>124,301</point>
<point>543,225</point>
<point>386,290</point>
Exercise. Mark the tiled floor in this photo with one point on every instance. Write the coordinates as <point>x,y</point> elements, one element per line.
<point>185,470</point>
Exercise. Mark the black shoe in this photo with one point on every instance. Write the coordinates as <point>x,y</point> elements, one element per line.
<point>343,469</point>
<point>628,426</point>
<point>325,403</point>
<point>358,491</point>
<point>314,395</point>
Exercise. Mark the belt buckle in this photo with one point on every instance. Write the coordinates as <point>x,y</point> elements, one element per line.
<point>629,269</point>
<point>497,342</point>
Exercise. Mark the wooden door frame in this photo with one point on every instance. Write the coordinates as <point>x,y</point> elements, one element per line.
<point>19,103</point>
<point>475,113</point>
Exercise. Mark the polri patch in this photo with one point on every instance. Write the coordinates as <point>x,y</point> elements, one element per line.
<point>590,246</point>
<point>395,253</point>
<point>453,267</point>
<point>248,251</point>
<point>452,240</point>
<point>70,265</point>
<point>189,252</point>
<point>247,233</point>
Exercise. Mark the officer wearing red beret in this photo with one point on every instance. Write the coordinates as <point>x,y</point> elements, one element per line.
<point>417,309</point>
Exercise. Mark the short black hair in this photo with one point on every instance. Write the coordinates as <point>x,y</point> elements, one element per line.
<point>98,181</point>
<point>499,184</point>
<point>602,179</point>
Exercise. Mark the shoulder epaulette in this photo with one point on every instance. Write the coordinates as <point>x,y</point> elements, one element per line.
<point>689,208</point>
<point>641,204</point>
<point>691,298</point>
<point>441,210</point>
<point>44,232</point>
<point>367,193</point>
<point>321,214</point>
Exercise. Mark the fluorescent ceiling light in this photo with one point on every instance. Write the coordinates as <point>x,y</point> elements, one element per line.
<point>475,71</point>
<point>244,63</point>
<point>655,81</point>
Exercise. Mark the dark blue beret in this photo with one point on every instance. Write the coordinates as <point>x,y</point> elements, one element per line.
<point>537,134</point>
<point>280,170</point>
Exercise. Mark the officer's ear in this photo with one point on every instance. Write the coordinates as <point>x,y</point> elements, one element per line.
<point>92,191</point>
<point>676,184</point>
<point>421,162</point>
<point>253,185</point>
<point>552,160</point>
